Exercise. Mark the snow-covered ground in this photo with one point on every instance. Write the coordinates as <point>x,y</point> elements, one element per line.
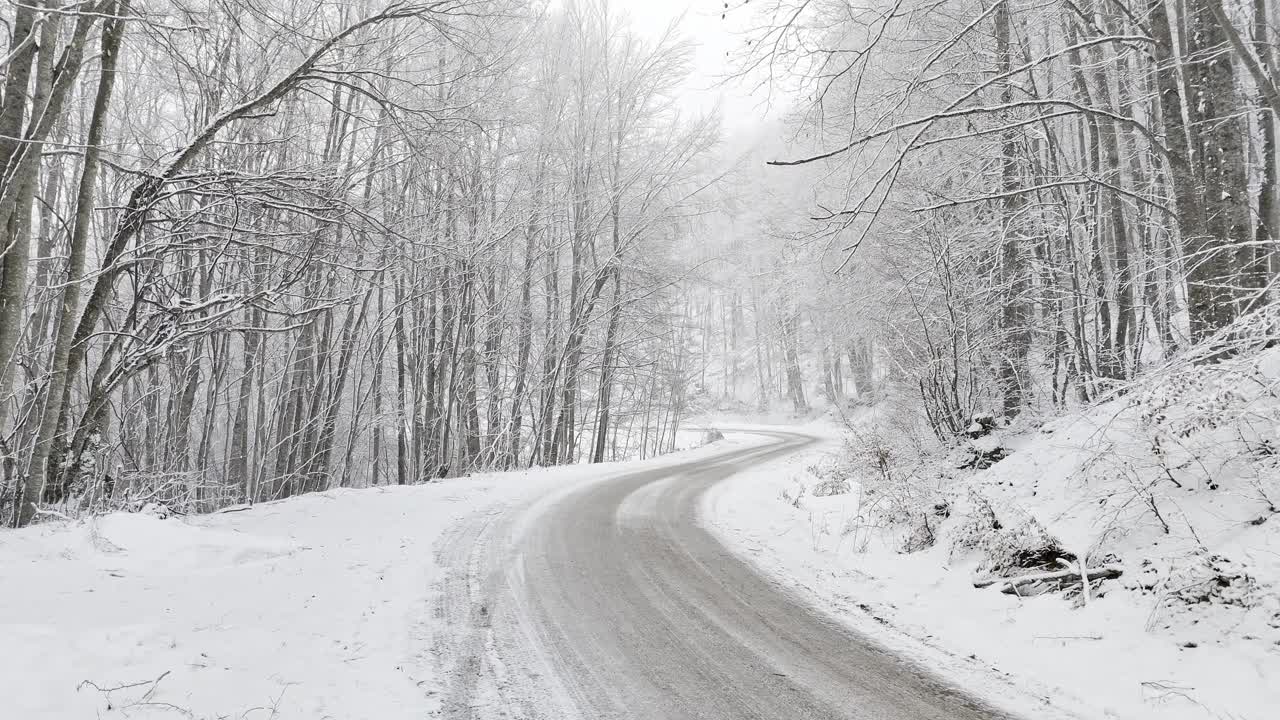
<point>324,606</point>
<point>320,606</point>
<point>314,607</point>
<point>1132,653</point>
<point>308,608</point>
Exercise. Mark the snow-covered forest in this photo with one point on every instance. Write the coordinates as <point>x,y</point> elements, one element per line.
<point>1010,206</point>
<point>259,248</point>
<point>1010,266</point>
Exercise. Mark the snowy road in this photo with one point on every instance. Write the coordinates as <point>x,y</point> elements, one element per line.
<point>609,600</point>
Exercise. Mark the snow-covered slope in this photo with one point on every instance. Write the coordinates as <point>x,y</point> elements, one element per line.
<point>1174,482</point>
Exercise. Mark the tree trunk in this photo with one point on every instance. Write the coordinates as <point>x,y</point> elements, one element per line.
<point>790,326</point>
<point>524,328</point>
<point>1015,314</point>
<point>38,468</point>
<point>1260,267</point>
<point>15,243</point>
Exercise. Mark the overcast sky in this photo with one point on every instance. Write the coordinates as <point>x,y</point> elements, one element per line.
<point>717,41</point>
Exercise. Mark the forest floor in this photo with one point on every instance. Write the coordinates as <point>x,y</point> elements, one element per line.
<point>1190,632</point>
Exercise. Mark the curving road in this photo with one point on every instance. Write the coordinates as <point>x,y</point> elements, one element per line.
<point>609,600</point>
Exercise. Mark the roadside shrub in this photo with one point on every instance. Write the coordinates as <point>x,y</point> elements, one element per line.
<point>898,482</point>
<point>1005,550</point>
<point>833,476</point>
<point>975,525</point>
<point>831,486</point>
<point>1024,547</point>
<point>793,497</point>
<point>923,533</point>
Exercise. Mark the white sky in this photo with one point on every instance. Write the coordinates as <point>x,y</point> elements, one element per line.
<point>716,42</point>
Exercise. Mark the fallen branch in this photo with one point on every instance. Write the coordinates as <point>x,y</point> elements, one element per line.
<point>144,700</point>
<point>1011,585</point>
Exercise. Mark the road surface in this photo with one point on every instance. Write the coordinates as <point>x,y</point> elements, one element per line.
<point>610,601</point>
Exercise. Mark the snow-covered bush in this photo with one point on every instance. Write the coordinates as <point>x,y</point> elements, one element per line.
<point>793,497</point>
<point>833,475</point>
<point>1210,595</point>
<point>924,527</point>
<point>1208,578</point>
<point>1004,550</point>
<point>1022,547</point>
<point>898,481</point>
<point>977,521</point>
<point>831,486</point>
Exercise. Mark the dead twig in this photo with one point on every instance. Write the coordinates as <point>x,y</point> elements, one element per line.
<point>144,700</point>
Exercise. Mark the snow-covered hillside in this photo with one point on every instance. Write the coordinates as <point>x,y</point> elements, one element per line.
<point>1174,484</point>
